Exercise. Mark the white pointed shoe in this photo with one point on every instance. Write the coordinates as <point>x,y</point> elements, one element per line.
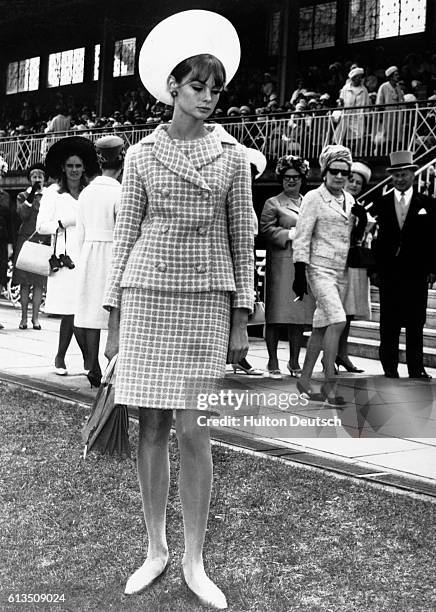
<point>210,596</point>
<point>142,579</point>
<point>60,371</point>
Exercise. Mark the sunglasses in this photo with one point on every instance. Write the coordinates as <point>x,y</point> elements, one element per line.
<point>287,179</point>
<point>337,171</point>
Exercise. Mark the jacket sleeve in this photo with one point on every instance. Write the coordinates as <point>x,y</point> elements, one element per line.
<point>240,226</point>
<point>305,226</point>
<point>80,223</point>
<point>46,222</point>
<point>269,226</point>
<point>132,210</point>
<point>24,209</point>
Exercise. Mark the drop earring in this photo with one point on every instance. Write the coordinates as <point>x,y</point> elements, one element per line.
<point>174,93</point>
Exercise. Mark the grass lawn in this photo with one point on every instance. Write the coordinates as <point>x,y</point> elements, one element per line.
<point>279,538</point>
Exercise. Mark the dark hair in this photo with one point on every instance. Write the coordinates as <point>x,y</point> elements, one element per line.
<point>202,67</point>
<point>62,180</point>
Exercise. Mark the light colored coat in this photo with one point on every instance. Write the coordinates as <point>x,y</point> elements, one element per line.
<point>97,206</point>
<point>61,285</point>
<point>185,225</point>
<point>354,120</point>
<point>323,230</point>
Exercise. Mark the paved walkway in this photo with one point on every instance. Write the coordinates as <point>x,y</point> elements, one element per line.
<point>387,431</point>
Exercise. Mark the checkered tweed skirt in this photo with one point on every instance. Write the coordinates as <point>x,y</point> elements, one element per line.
<point>168,340</point>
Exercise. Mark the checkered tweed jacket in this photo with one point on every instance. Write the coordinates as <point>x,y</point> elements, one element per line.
<point>184,225</point>
<point>324,229</point>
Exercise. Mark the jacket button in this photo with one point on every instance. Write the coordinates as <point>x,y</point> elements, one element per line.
<point>164,229</point>
<point>161,267</point>
<point>207,195</point>
<point>201,268</point>
<point>202,230</point>
<point>165,192</point>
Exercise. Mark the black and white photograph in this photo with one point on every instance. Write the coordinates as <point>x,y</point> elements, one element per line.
<point>218,305</point>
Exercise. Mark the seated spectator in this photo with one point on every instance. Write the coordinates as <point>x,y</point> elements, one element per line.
<point>299,91</point>
<point>61,122</point>
<point>233,111</point>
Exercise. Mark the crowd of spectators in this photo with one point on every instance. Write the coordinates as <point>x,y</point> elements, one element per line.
<point>321,88</point>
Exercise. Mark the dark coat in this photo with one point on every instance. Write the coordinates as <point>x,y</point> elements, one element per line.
<point>405,257</point>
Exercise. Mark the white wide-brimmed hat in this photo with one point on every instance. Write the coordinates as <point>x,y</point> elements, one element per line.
<point>258,159</point>
<point>362,169</point>
<point>181,36</point>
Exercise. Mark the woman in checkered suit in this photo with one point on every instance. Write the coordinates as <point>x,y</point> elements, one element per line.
<point>181,285</point>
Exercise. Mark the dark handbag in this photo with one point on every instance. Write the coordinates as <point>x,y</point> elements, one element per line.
<point>360,257</point>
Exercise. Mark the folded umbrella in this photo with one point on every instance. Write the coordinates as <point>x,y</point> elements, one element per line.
<point>107,428</point>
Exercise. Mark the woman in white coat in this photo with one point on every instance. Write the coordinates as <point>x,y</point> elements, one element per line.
<point>70,161</point>
<point>97,208</point>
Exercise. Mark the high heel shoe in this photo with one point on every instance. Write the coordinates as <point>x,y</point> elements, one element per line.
<point>244,366</point>
<point>136,583</point>
<point>22,326</point>
<point>210,597</point>
<point>294,372</point>
<point>308,394</point>
<point>36,325</point>
<point>336,400</point>
<point>94,379</point>
<point>347,366</point>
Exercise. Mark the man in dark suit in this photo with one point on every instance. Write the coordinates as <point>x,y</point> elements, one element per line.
<point>405,252</point>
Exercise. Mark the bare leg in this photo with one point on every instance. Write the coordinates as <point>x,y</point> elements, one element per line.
<point>313,350</point>
<point>272,341</point>
<point>295,337</point>
<point>65,335</point>
<point>330,346</point>
<point>343,340</point>
<point>36,303</point>
<point>24,299</point>
<point>153,476</point>
<point>195,486</point>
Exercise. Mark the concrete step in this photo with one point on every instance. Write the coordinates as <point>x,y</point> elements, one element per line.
<point>368,348</point>
<point>431,302</point>
<point>430,322</point>
<point>370,330</point>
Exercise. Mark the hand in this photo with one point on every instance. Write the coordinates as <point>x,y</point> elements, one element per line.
<point>299,286</point>
<point>10,250</point>
<point>431,279</point>
<point>359,212</point>
<point>113,337</point>
<point>238,340</point>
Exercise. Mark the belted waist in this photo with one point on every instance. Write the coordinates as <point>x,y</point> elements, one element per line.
<point>99,235</point>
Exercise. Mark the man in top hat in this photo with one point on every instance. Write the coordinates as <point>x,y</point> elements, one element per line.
<point>405,255</point>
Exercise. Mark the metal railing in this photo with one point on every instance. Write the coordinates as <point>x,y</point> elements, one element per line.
<point>368,131</point>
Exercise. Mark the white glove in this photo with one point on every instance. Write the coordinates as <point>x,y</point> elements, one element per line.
<point>292,233</point>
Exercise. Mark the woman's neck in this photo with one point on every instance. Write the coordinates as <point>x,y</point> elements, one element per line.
<point>292,195</point>
<point>184,127</point>
<point>74,188</point>
<point>335,192</point>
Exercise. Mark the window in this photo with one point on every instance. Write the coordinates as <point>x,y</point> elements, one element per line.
<point>372,19</point>
<point>66,67</point>
<point>124,57</point>
<point>317,25</point>
<point>23,75</point>
<point>96,62</point>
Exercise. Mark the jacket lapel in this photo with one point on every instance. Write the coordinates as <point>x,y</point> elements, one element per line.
<point>334,204</point>
<point>172,157</point>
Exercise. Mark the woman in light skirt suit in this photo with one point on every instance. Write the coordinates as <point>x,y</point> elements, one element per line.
<point>98,205</point>
<point>181,286</point>
<point>72,161</point>
<point>321,245</point>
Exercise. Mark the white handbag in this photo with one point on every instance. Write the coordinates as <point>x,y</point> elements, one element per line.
<point>33,257</point>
